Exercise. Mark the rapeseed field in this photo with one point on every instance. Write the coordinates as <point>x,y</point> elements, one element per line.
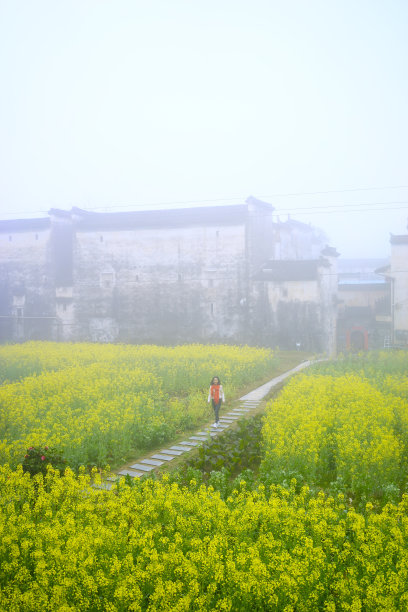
<point>344,426</point>
<point>324,529</point>
<point>96,403</point>
<point>66,546</point>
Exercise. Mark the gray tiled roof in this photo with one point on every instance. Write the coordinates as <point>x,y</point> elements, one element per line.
<point>211,215</point>
<point>287,270</point>
<point>24,225</point>
<point>399,239</point>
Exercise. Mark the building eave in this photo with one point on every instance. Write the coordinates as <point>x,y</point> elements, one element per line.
<point>156,219</point>
<point>24,225</point>
<point>286,270</point>
<point>398,239</point>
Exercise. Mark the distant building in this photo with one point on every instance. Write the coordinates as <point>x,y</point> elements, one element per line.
<point>396,275</point>
<point>205,274</point>
<point>27,280</point>
<point>364,316</point>
<point>300,302</point>
<point>295,240</point>
<point>399,282</point>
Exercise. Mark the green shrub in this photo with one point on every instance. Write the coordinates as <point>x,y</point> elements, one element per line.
<point>38,457</point>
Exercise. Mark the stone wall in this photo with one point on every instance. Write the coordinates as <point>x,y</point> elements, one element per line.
<point>163,285</point>
<point>170,276</point>
<point>297,304</point>
<point>399,275</point>
<point>26,284</point>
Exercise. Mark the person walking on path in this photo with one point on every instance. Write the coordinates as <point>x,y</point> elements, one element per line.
<point>216,396</point>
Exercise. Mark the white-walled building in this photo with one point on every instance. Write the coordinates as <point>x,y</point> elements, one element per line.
<point>396,274</point>
<point>162,276</point>
<point>299,300</point>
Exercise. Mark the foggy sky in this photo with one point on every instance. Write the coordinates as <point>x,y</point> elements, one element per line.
<point>118,104</point>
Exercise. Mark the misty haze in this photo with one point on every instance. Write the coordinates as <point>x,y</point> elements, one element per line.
<point>203,306</point>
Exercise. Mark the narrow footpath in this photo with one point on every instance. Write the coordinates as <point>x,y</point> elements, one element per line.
<point>247,404</point>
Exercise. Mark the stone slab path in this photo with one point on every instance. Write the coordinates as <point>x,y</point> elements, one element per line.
<point>247,405</point>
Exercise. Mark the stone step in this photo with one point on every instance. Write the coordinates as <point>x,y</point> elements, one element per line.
<point>132,473</point>
<point>141,466</point>
<point>105,486</point>
<point>243,408</point>
<point>152,461</point>
<point>251,400</point>
<point>256,398</point>
<point>163,457</point>
<point>189,443</point>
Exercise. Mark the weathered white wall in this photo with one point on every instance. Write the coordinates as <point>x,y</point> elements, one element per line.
<point>168,284</point>
<point>296,241</point>
<point>293,291</point>
<point>20,251</point>
<point>361,297</point>
<point>303,311</point>
<point>26,284</point>
<point>65,313</point>
<point>328,282</point>
<point>152,284</point>
<point>399,272</point>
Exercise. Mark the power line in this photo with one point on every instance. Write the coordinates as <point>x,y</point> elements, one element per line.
<point>311,209</point>
<point>329,207</point>
<point>345,208</point>
<point>230,199</point>
<point>275,195</point>
<point>281,195</point>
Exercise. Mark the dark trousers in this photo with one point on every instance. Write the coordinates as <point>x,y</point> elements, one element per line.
<point>216,409</point>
